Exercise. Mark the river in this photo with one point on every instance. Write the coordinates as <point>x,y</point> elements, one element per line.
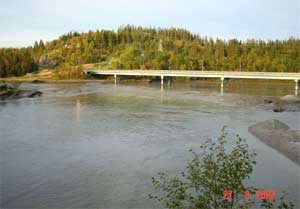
<point>97,145</point>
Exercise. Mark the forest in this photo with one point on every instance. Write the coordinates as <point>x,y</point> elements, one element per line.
<point>131,47</point>
<point>16,62</point>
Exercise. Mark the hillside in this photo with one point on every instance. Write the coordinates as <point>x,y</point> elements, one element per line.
<point>150,48</point>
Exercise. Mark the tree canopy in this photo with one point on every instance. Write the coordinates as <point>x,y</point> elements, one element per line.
<point>16,62</point>
<point>132,47</point>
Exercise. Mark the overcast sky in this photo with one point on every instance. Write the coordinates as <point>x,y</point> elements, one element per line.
<point>24,21</point>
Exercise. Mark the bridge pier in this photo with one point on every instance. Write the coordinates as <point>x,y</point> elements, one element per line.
<point>161,80</point>
<point>296,84</point>
<point>115,76</point>
<point>222,82</point>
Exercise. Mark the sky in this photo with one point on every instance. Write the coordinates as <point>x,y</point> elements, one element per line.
<point>24,21</point>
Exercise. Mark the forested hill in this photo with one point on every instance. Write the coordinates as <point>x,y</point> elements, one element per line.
<point>148,48</point>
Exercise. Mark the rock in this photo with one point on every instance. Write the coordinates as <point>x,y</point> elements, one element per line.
<point>296,135</point>
<point>279,109</point>
<point>35,93</point>
<point>46,61</point>
<point>20,94</point>
<point>268,101</point>
<point>288,103</point>
<point>5,95</point>
<point>37,81</point>
<point>287,106</point>
<point>273,124</point>
<point>278,136</point>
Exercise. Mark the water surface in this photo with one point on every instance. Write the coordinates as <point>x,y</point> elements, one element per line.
<point>93,145</point>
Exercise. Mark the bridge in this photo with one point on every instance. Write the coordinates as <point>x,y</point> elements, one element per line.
<point>200,74</point>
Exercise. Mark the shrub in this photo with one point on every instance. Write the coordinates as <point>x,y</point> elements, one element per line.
<point>211,172</point>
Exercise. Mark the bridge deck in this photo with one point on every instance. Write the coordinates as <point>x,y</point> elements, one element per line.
<point>205,74</point>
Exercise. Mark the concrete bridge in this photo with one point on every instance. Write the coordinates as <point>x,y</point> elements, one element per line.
<point>200,74</point>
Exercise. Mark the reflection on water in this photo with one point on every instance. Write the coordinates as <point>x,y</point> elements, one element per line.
<point>78,109</point>
<point>90,145</point>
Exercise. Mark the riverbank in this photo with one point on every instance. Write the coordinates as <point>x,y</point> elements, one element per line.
<point>49,76</point>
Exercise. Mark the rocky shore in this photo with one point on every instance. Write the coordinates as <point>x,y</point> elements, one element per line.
<point>20,94</point>
<point>278,136</point>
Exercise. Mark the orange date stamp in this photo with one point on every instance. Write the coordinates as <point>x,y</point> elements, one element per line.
<point>259,195</point>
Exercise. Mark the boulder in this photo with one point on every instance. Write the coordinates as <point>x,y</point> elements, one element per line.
<point>288,103</point>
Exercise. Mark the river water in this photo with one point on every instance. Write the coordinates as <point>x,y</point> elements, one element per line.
<point>97,145</point>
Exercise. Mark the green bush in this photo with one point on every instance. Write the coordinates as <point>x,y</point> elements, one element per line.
<point>211,172</point>
<point>7,88</point>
